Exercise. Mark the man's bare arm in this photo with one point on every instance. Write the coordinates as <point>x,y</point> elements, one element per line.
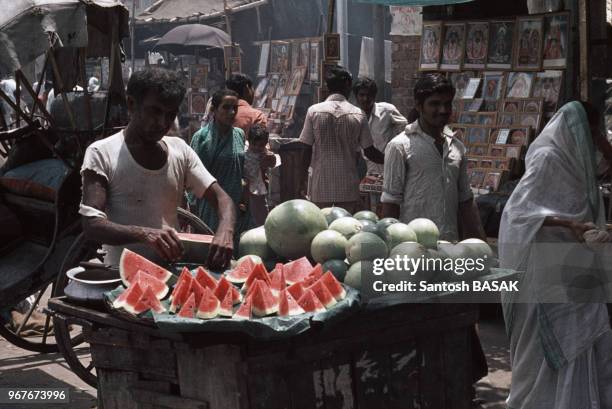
<point>164,241</point>
<point>222,246</point>
<point>469,219</point>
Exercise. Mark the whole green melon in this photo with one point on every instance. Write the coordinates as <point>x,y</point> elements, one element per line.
<point>435,263</point>
<point>333,213</point>
<point>398,233</point>
<point>291,226</point>
<point>337,267</point>
<point>328,245</point>
<point>427,232</point>
<point>354,273</point>
<point>481,251</point>
<point>347,226</point>
<point>254,242</point>
<point>405,269</point>
<point>458,253</point>
<point>367,223</point>
<point>366,215</point>
<point>382,225</point>
<point>365,246</point>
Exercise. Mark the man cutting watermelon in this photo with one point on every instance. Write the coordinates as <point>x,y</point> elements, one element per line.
<point>134,180</point>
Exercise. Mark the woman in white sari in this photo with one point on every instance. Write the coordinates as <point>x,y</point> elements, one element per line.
<point>561,350</point>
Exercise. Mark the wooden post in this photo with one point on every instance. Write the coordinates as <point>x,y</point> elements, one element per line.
<point>133,35</point>
<point>330,15</point>
<point>34,94</point>
<point>583,29</point>
<point>111,71</point>
<point>60,82</point>
<point>378,13</point>
<point>228,23</point>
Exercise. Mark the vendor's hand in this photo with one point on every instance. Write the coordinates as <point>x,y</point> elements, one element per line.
<point>580,228</point>
<point>221,250</point>
<point>165,242</point>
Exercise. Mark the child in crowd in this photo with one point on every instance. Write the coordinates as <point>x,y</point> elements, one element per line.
<point>258,159</point>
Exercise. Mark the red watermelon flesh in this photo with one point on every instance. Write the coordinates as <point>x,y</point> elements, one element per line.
<point>259,273</point>
<point>225,309</point>
<point>188,310</point>
<point>209,306</point>
<point>308,281</point>
<point>241,272</point>
<point>317,272</point>
<point>245,311</point>
<point>147,280</point>
<point>197,290</point>
<point>264,303</point>
<point>277,279</point>
<point>333,285</point>
<point>202,238</point>
<point>287,305</point>
<point>205,279</point>
<point>323,294</point>
<point>185,276</point>
<point>295,271</point>
<point>181,293</point>
<point>296,290</point>
<point>310,303</point>
<point>131,262</point>
<point>148,300</point>
<point>129,296</point>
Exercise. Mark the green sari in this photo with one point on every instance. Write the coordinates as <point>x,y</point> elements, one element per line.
<point>223,156</point>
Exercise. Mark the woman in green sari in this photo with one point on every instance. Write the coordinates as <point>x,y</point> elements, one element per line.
<point>220,146</point>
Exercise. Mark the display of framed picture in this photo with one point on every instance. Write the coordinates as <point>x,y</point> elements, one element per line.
<point>264,57</point>
<point>459,132</point>
<point>275,104</point>
<point>547,85</point>
<point>304,54</point>
<point>513,105</point>
<point>502,163</point>
<point>471,105</point>
<point>460,81</point>
<point>431,45</point>
<point>260,90</point>
<point>472,163</point>
<point>533,105</point>
<point>476,177</point>
<point>529,37</point>
<point>453,46</point>
<point>477,135</point>
<point>519,136</point>
<point>485,163</point>
<point>478,150</point>
<point>279,58</point>
<point>296,80</point>
<point>272,85</point>
<point>197,103</point>
<point>534,120</point>
<point>198,76</point>
<point>468,118</point>
<point>487,118</point>
<point>519,84</point>
<point>280,87</point>
<point>556,40</point>
<point>513,151</point>
<point>497,151</point>
<point>502,136</point>
<point>472,88</point>
<point>492,88</point>
<point>501,35</point>
<point>492,180</point>
<point>235,65</point>
<point>506,119</point>
<point>331,45</point>
<point>476,45</point>
<point>313,69</point>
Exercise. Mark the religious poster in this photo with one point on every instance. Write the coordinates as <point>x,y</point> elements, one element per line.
<point>501,35</point>
<point>555,40</point>
<point>264,56</point>
<point>235,65</point>
<point>476,45</point>
<point>529,37</point>
<point>331,43</point>
<point>548,86</point>
<point>280,88</point>
<point>313,68</point>
<point>304,54</point>
<point>406,20</point>
<point>279,60</point>
<point>198,76</point>
<point>296,80</point>
<point>492,89</point>
<point>197,103</point>
<point>295,54</point>
<point>460,81</point>
<point>454,44</point>
<point>431,41</point>
<point>519,85</point>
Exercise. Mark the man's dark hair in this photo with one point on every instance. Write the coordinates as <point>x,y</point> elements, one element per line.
<point>430,84</point>
<point>337,78</point>
<point>239,83</point>
<point>258,133</point>
<point>365,83</point>
<point>165,83</point>
<point>219,95</point>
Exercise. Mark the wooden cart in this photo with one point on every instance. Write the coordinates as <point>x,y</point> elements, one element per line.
<point>406,356</point>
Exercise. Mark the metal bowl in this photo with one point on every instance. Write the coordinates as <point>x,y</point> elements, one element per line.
<point>87,286</point>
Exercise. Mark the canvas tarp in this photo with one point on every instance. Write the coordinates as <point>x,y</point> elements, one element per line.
<point>414,2</point>
<point>171,10</point>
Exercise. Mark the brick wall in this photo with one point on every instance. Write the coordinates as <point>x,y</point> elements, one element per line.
<point>404,64</point>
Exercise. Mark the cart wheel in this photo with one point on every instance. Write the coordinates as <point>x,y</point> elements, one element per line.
<point>18,334</point>
<point>190,223</point>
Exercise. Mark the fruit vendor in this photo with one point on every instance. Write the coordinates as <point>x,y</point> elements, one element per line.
<point>335,132</point>
<point>426,168</point>
<point>561,347</point>
<point>134,180</point>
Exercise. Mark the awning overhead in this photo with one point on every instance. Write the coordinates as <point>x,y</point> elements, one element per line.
<point>176,10</point>
<point>414,2</point>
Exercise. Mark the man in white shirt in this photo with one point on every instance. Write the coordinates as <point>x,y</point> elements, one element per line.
<point>134,181</point>
<point>335,132</point>
<point>384,119</point>
<point>426,168</point>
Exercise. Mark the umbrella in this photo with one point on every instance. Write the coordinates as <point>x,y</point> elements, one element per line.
<point>184,39</point>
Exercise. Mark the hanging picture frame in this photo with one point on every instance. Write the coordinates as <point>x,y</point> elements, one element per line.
<point>556,40</point>
<point>197,103</point>
<point>295,81</point>
<point>313,68</point>
<point>295,55</point>
<point>331,46</point>
<point>264,56</point>
<point>500,54</point>
<point>431,45</point>
<point>279,57</point>
<point>198,76</point>
<point>519,84</point>
<point>453,46</point>
<point>547,85</point>
<point>476,45</point>
<point>492,88</point>
<point>529,41</point>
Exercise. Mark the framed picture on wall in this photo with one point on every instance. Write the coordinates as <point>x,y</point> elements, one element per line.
<point>533,105</point>
<point>460,81</point>
<point>264,56</point>
<point>198,76</point>
<point>556,40</point>
<point>279,59</point>
<point>314,61</point>
<point>296,80</point>
<point>534,120</point>
<point>487,118</point>
<point>519,84</point>
<point>476,45</point>
<point>197,103</point>
<point>529,40</point>
<point>431,45</point>
<point>453,46</point>
<point>492,180</point>
<point>492,88</point>
<point>547,85</point>
<point>501,35</point>
<point>476,135</point>
<point>331,43</point>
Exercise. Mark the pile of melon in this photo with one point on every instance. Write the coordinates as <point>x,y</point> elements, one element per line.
<point>244,292</point>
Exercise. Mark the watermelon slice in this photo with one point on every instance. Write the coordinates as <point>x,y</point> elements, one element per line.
<point>205,279</point>
<point>296,290</point>
<point>200,238</point>
<point>131,262</point>
<point>147,280</point>
<point>197,290</point>
<point>323,294</point>
<point>264,302</point>
<point>277,279</point>
<point>225,309</point>
<point>333,285</point>
<point>148,300</point>
<point>287,305</point>
<point>259,273</point>
<point>184,276</point>
<point>188,310</point>
<point>308,281</point>
<point>240,274</point>
<point>310,303</point>
<point>181,292</point>
<point>209,306</point>
<point>295,271</point>
<point>245,311</point>
<point>317,272</point>
<point>129,296</point>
